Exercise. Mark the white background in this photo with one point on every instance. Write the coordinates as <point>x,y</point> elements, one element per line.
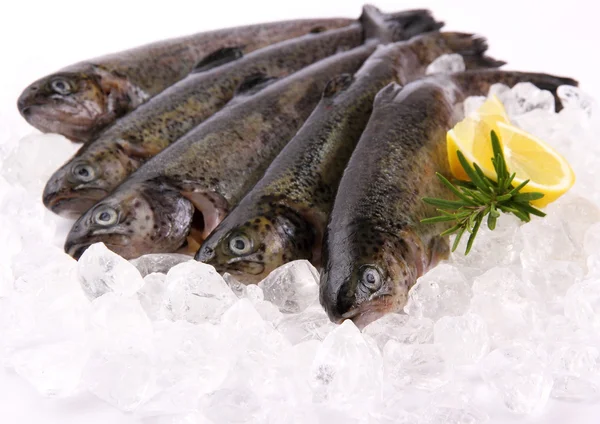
<point>38,37</point>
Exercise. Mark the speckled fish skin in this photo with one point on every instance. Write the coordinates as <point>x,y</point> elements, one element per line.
<point>102,164</point>
<point>102,89</point>
<point>283,217</point>
<point>375,247</point>
<point>208,170</point>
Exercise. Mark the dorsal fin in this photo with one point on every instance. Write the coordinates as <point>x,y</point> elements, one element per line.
<point>218,58</point>
<point>337,84</point>
<point>254,83</point>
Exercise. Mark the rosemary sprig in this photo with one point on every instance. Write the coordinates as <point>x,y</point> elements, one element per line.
<point>481,197</point>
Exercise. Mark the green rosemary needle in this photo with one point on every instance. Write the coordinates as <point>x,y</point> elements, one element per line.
<point>482,197</point>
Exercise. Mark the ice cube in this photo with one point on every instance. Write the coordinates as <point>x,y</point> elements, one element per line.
<point>119,323</point>
<point>573,98</point>
<point>102,271</point>
<point>593,266</point>
<point>197,293</point>
<point>421,366</point>
<point>516,373</point>
<point>547,239</point>
<point>158,262</point>
<point>582,303</point>
<point>551,279</point>
<point>232,405</point>
<point>526,97</point>
<point>152,295</point>
<point>498,247</point>
<point>402,328</point>
<point>464,339</point>
<point>41,256</point>
<point>570,206</point>
<point>310,324</point>
<point>238,288</point>
<point>124,379</point>
<point>292,287</point>
<point>472,104</point>
<point>442,291</point>
<point>591,240</point>
<point>437,414</point>
<point>446,64</point>
<point>347,369</point>
<point>53,369</point>
<point>576,371</point>
<point>191,418</point>
<point>499,90</point>
<point>254,293</point>
<point>189,362</point>
<point>505,302</point>
<point>6,281</point>
<point>35,159</point>
<point>189,354</point>
<point>268,311</point>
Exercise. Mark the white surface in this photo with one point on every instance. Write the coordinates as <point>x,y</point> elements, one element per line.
<point>38,38</point>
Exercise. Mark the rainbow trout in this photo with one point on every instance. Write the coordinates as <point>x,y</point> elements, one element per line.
<point>183,193</point>
<point>284,216</point>
<point>375,247</point>
<point>81,99</point>
<point>99,166</point>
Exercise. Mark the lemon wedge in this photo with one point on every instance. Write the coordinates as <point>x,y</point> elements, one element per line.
<point>532,159</point>
<point>472,137</point>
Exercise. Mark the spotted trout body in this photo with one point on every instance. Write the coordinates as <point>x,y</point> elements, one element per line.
<point>81,99</point>
<point>375,245</point>
<point>284,216</point>
<point>100,165</point>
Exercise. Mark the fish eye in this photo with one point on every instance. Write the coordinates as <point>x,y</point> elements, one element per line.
<point>83,172</point>
<point>106,216</point>
<point>371,278</point>
<point>239,244</point>
<point>61,86</point>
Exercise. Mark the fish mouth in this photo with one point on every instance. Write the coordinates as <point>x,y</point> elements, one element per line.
<point>245,267</point>
<point>77,249</point>
<point>369,311</point>
<point>71,121</point>
<point>72,204</point>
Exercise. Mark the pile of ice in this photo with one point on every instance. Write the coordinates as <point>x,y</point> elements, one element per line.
<point>516,323</point>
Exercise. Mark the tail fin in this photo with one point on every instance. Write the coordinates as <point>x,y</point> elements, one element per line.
<point>478,82</point>
<point>472,48</point>
<point>390,27</point>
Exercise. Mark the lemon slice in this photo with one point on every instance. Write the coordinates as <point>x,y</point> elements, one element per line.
<point>532,159</point>
<point>472,137</point>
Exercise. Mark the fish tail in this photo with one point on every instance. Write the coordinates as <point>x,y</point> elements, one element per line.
<point>478,82</point>
<point>390,27</point>
<point>472,48</point>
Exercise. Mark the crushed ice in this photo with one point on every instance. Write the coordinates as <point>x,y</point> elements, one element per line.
<point>175,342</point>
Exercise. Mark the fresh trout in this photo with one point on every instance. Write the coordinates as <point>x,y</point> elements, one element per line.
<point>81,99</point>
<point>284,216</point>
<point>183,193</point>
<point>99,166</point>
<point>375,247</point>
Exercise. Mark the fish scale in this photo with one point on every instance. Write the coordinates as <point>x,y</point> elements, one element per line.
<point>120,82</point>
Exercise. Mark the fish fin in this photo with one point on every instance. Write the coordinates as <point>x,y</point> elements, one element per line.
<point>254,83</point>
<point>439,249</point>
<point>387,94</point>
<point>396,26</point>
<point>211,205</point>
<point>138,151</point>
<point>218,58</point>
<point>472,48</point>
<point>337,84</point>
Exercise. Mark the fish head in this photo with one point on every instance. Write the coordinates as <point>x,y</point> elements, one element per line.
<point>86,179</point>
<point>68,103</point>
<point>365,277</point>
<point>134,220</point>
<point>254,248</point>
